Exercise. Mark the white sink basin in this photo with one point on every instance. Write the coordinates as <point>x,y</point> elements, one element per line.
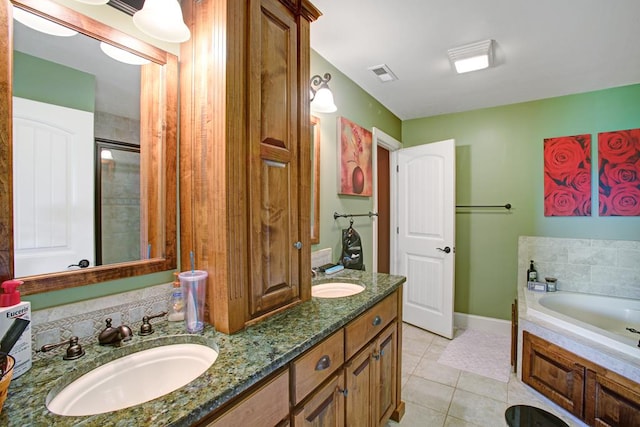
<point>336,289</point>
<point>133,379</point>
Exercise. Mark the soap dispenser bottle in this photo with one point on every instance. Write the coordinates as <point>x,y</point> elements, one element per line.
<point>532,274</point>
<point>15,326</point>
<point>176,303</point>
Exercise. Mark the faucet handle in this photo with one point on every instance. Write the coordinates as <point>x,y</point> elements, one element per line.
<point>74,351</point>
<point>125,333</point>
<point>146,328</point>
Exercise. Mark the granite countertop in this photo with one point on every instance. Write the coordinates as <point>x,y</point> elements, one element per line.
<point>244,359</point>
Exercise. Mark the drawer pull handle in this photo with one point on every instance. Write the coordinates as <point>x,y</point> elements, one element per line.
<point>377,321</point>
<point>323,363</point>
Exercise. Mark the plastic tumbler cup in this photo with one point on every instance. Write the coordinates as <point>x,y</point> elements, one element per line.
<point>194,287</point>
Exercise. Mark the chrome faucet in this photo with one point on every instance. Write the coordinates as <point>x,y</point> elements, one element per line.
<point>114,336</point>
<point>314,273</point>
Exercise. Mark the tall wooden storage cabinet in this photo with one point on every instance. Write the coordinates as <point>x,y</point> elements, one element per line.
<point>245,155</point>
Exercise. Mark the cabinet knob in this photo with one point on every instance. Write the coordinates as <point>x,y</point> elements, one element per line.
<point>376,356</point>
<point>343,392</point>
<point>323,363</point>
<point>297,245</point>
<point>377,321</point>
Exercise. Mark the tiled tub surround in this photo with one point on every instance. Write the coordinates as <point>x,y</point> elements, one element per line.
<point>603,267</point>
<point>245,358</point>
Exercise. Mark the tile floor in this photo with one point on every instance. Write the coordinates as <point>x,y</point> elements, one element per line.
<point>437,395</point>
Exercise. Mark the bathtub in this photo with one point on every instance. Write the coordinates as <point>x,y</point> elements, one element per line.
<point>602,319</point>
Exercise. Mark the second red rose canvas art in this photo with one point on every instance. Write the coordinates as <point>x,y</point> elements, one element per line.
<point>567,176</point>
<point>619,172</point>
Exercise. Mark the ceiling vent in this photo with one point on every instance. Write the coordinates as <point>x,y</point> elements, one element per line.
<point>384,73</point>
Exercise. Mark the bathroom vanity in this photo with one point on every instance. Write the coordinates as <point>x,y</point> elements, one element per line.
<point>321,362</point>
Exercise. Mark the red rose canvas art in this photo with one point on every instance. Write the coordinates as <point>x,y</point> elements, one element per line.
<point>619,172</point>
<point>355,159</point>
<point>567,176</point>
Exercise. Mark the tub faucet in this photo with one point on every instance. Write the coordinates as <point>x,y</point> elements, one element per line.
<point>635,332</point>
<point>114,336</point>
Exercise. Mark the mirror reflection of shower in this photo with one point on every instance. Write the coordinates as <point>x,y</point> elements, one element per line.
<point>117,202</point>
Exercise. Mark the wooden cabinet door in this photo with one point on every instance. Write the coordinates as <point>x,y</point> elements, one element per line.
<point>325,408</point>
<point>612,401</point>
<point>386,358</point>
<point>360,381</point>
<point>273,165</point>
<point>553,372</point>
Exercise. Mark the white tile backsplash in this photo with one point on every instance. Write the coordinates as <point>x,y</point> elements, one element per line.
<point>604,267</point>
<point>321,257</point>
<point>86,319</point>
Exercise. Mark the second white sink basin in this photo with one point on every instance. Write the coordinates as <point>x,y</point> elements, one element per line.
<point>133,379</point>
<point>336,289</point>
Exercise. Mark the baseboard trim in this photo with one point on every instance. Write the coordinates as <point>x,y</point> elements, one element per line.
<point>487,324</point>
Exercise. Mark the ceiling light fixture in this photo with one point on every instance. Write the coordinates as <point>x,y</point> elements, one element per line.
<point>321,95</point>
<point>122,55</point>
<point>38,23</point>
<point>162,19</point>
<point>472,57</point>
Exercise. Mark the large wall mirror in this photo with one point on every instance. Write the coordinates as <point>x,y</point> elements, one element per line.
<point>61,98</point>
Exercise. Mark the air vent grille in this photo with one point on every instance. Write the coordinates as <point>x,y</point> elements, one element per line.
<point>383,73</point>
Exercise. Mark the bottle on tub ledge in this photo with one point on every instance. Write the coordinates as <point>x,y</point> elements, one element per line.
<point>532,279</point>
<point>532,274</point>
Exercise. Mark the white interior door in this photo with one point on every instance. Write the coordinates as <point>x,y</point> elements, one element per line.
<point>53,204</point>
<point>426,234</point>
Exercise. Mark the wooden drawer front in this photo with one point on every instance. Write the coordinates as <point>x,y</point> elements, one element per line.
<point>551,371</point>
<point>325,407</point>
<point>267,406</point>
<point>611,401</point>
<point>317,364</point>
<point>369,324</point>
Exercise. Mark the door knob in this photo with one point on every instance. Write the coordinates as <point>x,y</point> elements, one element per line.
<point>83,263</point>
<point>297,245</point>
<point>446,249</point>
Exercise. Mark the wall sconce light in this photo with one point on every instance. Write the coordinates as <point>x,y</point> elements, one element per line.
<point>321,96</point>
<point>122,55</point>
<point>38,23</point>
<point>472,57</point>
<point>162,19</point>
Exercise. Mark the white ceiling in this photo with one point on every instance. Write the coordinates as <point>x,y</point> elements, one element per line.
<point>543,48</point>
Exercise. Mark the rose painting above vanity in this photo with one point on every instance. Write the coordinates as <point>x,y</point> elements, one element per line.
<point>619,172</point>
<point>567,176</point>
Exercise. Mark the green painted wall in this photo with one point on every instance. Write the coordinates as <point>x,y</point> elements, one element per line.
<point>499,160</point>
<point>45,81</point>
<point>358,106</point>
